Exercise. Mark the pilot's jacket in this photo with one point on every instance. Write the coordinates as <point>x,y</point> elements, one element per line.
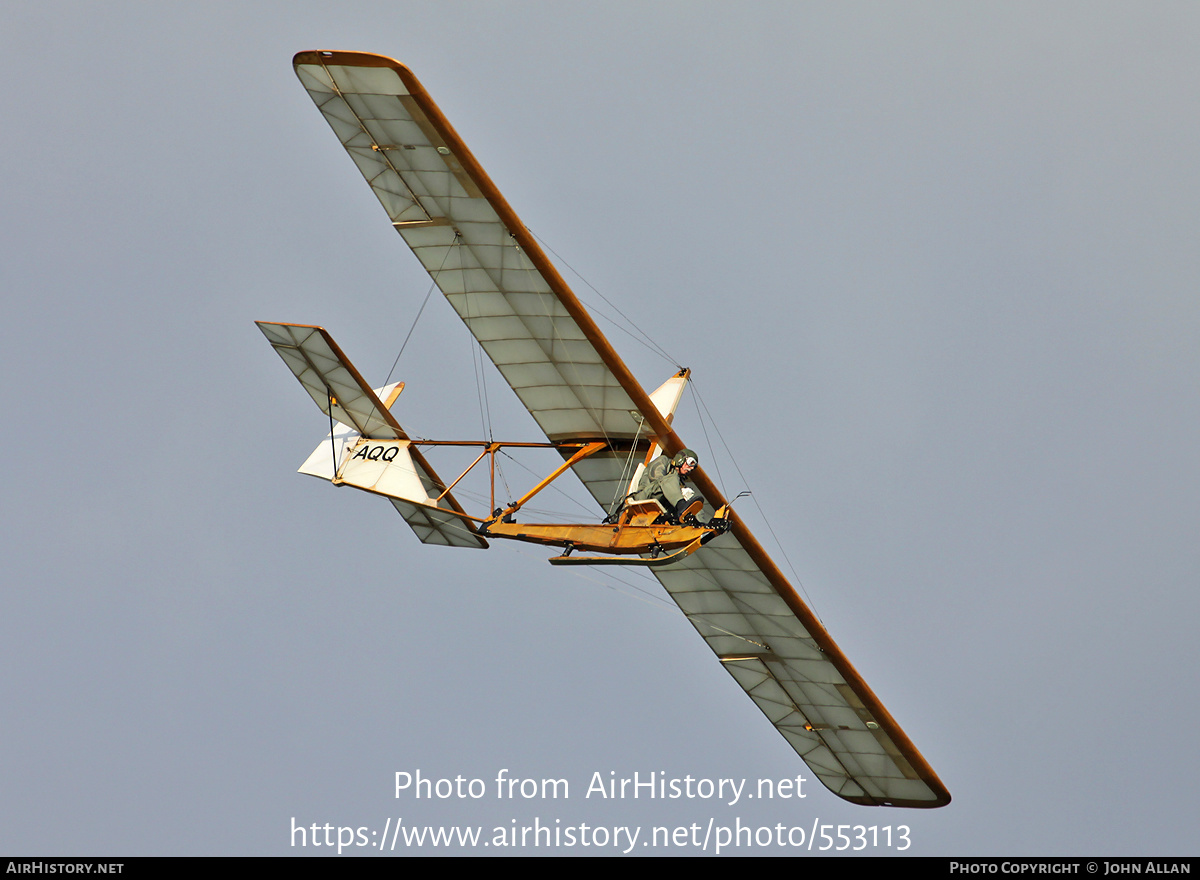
<point>661,481</point>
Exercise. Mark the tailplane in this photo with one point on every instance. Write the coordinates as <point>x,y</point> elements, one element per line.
<point>367,448</point>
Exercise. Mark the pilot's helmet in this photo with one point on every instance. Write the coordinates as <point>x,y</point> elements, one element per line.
<point>682,457</point>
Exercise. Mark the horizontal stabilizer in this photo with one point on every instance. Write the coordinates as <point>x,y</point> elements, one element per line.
<point>433,525</point>
<point>368,449</point>
<point>330,379</point>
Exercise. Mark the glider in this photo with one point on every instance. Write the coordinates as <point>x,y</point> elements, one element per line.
<point>593,412</point>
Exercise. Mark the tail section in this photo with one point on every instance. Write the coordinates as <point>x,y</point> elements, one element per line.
<point>368,449</point>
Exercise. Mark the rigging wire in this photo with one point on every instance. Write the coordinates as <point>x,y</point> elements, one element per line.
<point>646,340</point>
<point>410,332</point>
<point>508,493</point>
<point>473,344</point>
<point>621,490</point>
<point>477,355</point>
<point>535,514</point>
<point>548,296</point>
<point>521,464</point>
<point>707,440</point>
<point>700,400</point>
<point>657,603</point>
<point>429,293</point>
<point>332,438</point>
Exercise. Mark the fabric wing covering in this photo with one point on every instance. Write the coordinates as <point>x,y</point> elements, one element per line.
<point>577,388</point>
<point>439,209</point>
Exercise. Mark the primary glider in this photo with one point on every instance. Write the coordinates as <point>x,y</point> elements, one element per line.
<point>593,412</point>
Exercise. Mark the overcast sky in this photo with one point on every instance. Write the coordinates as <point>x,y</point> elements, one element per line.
<point>934,267</point>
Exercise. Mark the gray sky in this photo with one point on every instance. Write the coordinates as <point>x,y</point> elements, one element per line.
<point>933,265</point>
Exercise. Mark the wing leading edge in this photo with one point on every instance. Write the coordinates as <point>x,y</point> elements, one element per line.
<point>548,348</point>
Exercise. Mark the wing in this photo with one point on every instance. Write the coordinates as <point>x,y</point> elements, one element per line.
<point>577,388</point>
<point>483,259</point>
<point>772,644</point>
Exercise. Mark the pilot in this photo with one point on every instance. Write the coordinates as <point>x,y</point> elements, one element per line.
<point>663,480</point>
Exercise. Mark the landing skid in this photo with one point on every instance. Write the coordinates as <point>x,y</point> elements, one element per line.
<point>665,559</point>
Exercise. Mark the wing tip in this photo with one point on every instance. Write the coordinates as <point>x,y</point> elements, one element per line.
<point>348,59</point>
<point>937,803</point>
<point>941,797</point>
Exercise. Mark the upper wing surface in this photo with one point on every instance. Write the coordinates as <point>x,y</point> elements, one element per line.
<point>575,385</point>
